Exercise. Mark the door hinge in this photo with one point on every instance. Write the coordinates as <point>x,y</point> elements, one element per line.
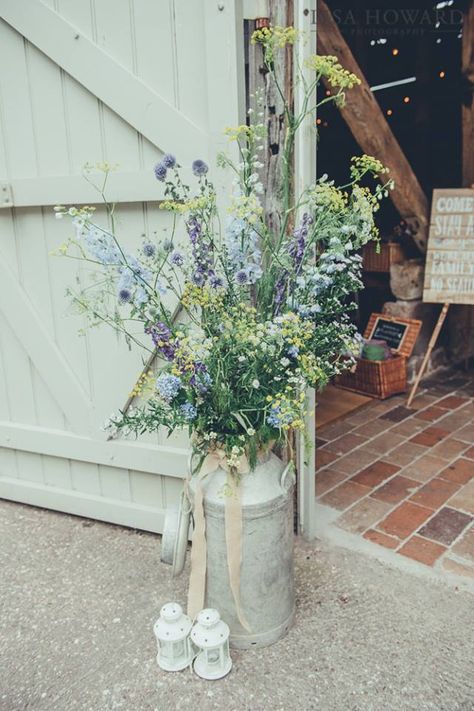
<point>6,195</point>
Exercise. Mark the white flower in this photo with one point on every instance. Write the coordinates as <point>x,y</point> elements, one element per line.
<point>250,431</point>
<point>256,383</point>
<point>285,362</point>
<point>241,359</point>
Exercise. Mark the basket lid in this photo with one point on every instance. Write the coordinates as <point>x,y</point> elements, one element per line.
<point>400,334</point>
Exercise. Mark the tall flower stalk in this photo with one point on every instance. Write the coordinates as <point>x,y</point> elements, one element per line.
<point>267,314</point>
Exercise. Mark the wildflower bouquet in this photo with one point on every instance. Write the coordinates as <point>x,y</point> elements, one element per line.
<point>264,315</point>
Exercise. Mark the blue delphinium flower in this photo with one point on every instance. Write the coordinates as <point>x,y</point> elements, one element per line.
<point>149,250</point>
<point>199,167</point>
<point>198,278</point>
<point>242,243</point>
<point>168,386</point>
<point>160,172</point>
<point>161,337</point>
<point>297,245</point>
<point>169,161</point>
<point>100,244</point>
<point>188,411</point>
<point>276,418</point>
<point>201,381</point>
<point>215,281</point>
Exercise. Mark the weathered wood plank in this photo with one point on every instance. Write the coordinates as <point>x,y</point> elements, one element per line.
<point>372,132</point>
<point>449,272</point>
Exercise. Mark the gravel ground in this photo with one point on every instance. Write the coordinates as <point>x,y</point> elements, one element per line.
<point>78,600</point>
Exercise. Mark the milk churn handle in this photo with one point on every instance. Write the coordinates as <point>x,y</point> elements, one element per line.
<point>289,471</point>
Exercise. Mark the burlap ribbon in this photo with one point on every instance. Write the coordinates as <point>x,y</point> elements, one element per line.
<point>233,534</point>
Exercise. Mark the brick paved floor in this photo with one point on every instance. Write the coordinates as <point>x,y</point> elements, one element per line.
<point>404,478</point>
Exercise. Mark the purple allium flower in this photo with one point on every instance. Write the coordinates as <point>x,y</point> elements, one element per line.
<point>168,386</point>
<point>160,171</point>
<point>169,161</point>
<point>177,259</point>
<point>188,411</point>
<point>241,277</point>
<point>125,296</point>
<point>149,250</point>
<point>199,167</point>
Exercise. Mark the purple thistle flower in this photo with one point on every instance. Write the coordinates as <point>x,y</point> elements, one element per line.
<point>199,167</point>
<point>177,259</point>
<point>169,161</point>
<point>241,277</point>
<point>149,250</point>
<point>125,296</point>
<point>160,172</point>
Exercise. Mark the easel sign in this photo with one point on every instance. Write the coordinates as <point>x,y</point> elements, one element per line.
<point>449,270</point>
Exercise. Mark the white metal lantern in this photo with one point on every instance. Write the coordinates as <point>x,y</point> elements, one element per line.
<point>211,635</point>
<point>171,630</point>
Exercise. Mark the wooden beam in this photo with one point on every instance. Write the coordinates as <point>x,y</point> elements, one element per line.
<point>139,186</point>
<point>468,103</point>
<point>372,132</point>
<point>126,454</point>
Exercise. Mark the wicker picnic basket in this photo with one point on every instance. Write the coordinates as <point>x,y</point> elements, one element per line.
<point>383,378</point>
<point>390,253</point>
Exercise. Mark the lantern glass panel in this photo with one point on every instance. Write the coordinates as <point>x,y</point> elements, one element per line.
<point>166,649</point>
<point>214,656</point>
<point>178,648</point>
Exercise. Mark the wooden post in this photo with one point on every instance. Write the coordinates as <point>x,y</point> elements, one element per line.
<point>467,69</point>
<point>468,102</point>
<point>431,345</point>
<point>369,127</point>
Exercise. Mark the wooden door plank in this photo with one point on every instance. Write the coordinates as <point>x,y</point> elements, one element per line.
<point>26,323</point>
<point>97,71</point>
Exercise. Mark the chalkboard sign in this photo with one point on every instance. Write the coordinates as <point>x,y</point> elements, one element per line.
<point>392,332</point>
<point>449,271</point>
